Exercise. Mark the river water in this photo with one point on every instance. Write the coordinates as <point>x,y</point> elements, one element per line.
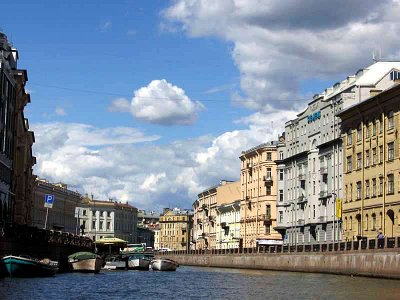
<point>199,283</point>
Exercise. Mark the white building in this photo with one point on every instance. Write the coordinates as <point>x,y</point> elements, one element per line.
<point>99,219</point>
<point>311,158</point>
<point>228,225</point>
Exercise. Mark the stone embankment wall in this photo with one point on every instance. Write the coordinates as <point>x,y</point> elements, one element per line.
<point>372,263</point>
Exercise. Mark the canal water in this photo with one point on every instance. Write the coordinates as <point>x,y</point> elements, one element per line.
<point>199,283</point>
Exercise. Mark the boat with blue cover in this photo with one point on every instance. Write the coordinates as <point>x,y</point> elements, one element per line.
<point>25,266</point>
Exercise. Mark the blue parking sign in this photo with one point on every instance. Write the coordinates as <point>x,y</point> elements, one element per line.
<point>48,201</point>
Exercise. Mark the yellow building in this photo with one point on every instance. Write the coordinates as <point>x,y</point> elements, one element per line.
<point>372,165</point>
<point>258,199</point>
<point>228,215</point>
<point>174,229</point>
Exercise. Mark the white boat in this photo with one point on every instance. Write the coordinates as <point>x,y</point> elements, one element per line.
<point>138,262</point>
<point>115,263</point>
<point>85,262</point>
<point>163,264</point>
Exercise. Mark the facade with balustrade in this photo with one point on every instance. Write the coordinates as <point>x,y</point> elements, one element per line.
<point>258,195</point>
<point>372,165</point>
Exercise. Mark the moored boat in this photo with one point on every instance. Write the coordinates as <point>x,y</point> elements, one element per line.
<point>115,263</point>
<point>139,262</point>
<point>164,264</point>
<point>25,266</point>
<point>85,262</point>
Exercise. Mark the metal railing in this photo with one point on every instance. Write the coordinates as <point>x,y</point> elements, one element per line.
<point>384,244</point>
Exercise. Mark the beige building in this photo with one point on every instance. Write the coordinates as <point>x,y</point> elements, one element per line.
<point>204,221</point>
<point>258,198</point>
<point>228,215</point>
<point>101,219</point>
<point>62,215</point>
<point>156,239</point>
<point>175,229</point>
<point>372,165</point>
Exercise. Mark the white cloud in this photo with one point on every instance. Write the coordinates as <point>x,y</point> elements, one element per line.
<point>277,45</point>
<point>124,164</point>
<point>160,102</point>
<point>106,26</point>
<point>60,111</point>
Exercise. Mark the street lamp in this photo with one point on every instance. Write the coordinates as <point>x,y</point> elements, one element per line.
<point>334,218</point>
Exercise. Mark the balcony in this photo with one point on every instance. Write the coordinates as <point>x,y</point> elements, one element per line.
<point>302,177</point>
<point>199,221</point>
<point>211,218</point>
<point>324,170</point>
<point>323,194</point>
<point>204,206</point>
<point>268,179</point>
<point>267,219</point>
<point>300,222</point>
<point>323,219</point>
<point>223,225</point>
<point>301,199</point>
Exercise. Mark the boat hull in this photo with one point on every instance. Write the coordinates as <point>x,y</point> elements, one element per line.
<point>139,264</point>
<point>163,265</point>
<point>25,267</point>
<point>91,265</point>
<point>115,265</point>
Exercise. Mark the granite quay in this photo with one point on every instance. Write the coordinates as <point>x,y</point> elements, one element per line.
<point>372,258</point>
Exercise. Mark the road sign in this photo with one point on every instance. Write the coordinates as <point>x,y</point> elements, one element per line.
<point>48,201</point>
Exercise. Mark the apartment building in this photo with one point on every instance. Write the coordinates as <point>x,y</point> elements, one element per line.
<point>372,165</point>
<point>228,215</point>
<point>312,158</point>
<point>62,215</point>
<point>204,221</point>
<point>99,219</point>
<point>175,227</point>
<point>258,199</point>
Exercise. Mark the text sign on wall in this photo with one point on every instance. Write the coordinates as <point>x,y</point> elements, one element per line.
<point>48,201</point>
<point>338,208</point>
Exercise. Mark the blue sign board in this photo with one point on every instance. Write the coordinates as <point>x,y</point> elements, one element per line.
<point>48,201</point>
<point>314,116</point>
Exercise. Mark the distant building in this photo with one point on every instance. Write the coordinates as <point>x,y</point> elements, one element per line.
<point>62,215</point>
<point>101,219</point>
<point>146,235</point>
<point>175,229</point>
<point>148,219</point>
<point>372,167</point>
<point>156,239</point>
<point>258,199</point>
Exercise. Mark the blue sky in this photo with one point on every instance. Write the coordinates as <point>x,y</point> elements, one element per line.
<point>234,71</point>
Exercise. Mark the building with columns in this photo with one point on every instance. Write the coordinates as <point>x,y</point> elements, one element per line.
<point>370,129</point>
<point>258,195</point>
<point>100,219</point>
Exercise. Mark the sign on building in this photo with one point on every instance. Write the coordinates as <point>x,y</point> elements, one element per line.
<point>48,201</point>
<point>338,208</point>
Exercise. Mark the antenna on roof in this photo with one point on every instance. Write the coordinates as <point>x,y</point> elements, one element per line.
<point>373,56</point>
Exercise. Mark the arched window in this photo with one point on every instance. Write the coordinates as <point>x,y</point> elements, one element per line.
<point>390,120</point>
<point>373,221</point>
<point>351,223</point>
<point>366,221</point>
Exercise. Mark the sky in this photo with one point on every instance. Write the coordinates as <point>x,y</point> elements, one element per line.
<point>151,102</point>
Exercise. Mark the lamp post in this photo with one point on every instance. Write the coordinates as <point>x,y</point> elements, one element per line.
<point>334,218</point>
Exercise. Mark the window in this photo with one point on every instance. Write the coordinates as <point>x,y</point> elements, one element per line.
<point>359,161</point>
<point>380,186</point>
<point>314,187</point>
<point>280,155</point>
<point>374,127</point>
<point>390,151</point>
<point>367,130</point>
<point>367,158</point>
<point>374,157</point>
<point>94,225</point>
<point>281,217</point>
<point>374,187</point>
<point>84,212</point>
<point>380,154</point>
<point>345,193</point>
<point>390,120</point>
<point>269,156</point>
<point>269,172</point>
<point>313,211</point>
<point>280,174</point>
<point>349,163</point>
<point>380,125</point>
<point>268,190</point>
<point>351,223</point>
<point>367,189</point>
<point>280,195</point>
<point>359,133</point>
<point>358,190</point>
<point>108,225</point>
<point>373,221</point>
<point>390,184</point>
<point>349,138</point>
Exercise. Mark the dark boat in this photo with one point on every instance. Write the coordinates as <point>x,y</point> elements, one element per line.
<point>25,266</point>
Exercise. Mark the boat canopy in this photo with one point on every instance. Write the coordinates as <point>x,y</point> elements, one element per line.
<point>110,241</point>
<point>82,255</point>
